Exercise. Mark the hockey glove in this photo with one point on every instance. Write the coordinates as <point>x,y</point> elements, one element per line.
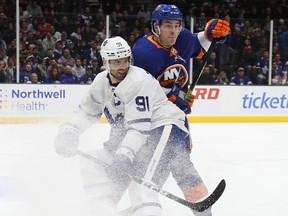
<point>120,170</point>
<point>216,29</point>
<point>67,140</point>
<point>174,97</point>
<point>190,100</point>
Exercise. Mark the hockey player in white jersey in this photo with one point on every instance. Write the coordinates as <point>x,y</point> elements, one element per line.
<point>148,136</point>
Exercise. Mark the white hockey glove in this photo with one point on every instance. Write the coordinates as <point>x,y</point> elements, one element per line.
<point>120,170</point>
<point>67,140</point>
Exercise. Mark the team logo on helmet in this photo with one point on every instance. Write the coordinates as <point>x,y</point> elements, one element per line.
<point>105,42</point>
<point>158,7</point>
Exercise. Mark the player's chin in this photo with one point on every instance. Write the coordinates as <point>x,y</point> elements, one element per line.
<point>121,76</point>
<point>172,41</point>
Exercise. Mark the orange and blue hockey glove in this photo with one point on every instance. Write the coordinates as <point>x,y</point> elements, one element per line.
<point>217,29</point>
<point>174,97</point>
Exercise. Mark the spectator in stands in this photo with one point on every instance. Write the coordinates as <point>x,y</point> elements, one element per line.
<point>279,77</point>
<point>82,48</point>
<point>49,56</point>
<point>281,27</point>
<point>3,64</point>
<point>3,45</point>
<point>47,42</point>
<point>143,12</point>
<point>88,17</point>
<point>66,58</point>
<point>248,59</point>
<point>33,79</point>
<point>78,69</point>
<point>64,6</point>
<point>54,64</point>
<point>64,38</point>
<point>9,8</point>
<point>30,38</point>
<point>24,27</point>
<point>98,39</point>
<point>3,21</point>
<point>208,77</point>
<point>34,9</point>
<point>70,45</point>
<point>54,76</point>
<point>33,25</point>
<point>89,76</point>
<point>34,57</point>
<point>41,50</point>
<point>201,22</point>
<point>25,75</point>
<point>277,58</point>
<point>11,70</point>
<point>11,49</point>
<point>65,25</point>
<point>43,27</point>
<point>9,34</point>
<point>3,55</point>
<point>240,78</point>
<point>88,34</point>
<point>222,79</point>
<point>263,68</point>
<point>213,61</point>
<point>92,52</point>
<point>76,35</point>
<point>84,62</point>
<point>3,76</point>
<point>50,11</point>
<point>68,77</point>
<point>58,49</point>
<point>41,70</point>
<point>95,66</point>
<point>56,35</point>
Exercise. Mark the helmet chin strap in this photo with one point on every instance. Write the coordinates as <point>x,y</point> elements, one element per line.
<point>158,38</point>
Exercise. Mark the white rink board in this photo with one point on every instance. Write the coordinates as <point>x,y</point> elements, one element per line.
<point>59,101</point>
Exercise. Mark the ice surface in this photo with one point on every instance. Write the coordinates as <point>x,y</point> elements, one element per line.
<point>251,157</point>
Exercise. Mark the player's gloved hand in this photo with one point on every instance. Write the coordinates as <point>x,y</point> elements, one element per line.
<point>217,29</point>
<point>67,140</point>
<point>190,99</point>
<point>120,169</point>
<point>174,97</point>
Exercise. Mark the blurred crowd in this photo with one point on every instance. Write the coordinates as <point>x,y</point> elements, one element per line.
<point>60,39</point>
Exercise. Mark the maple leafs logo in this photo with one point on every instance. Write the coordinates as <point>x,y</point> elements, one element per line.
<point>118,120</point>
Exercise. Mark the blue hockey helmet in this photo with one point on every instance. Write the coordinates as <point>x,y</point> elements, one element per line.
<point>165,12</point>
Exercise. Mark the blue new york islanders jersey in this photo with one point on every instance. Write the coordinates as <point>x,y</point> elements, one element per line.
<point>168,65</point>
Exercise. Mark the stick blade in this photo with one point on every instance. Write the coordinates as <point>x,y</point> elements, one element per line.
<point>210,200</point>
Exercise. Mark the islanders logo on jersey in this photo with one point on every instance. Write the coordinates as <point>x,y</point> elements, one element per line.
<point>174,73</point>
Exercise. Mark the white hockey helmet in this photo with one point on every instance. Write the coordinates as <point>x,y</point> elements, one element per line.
<point>115,48</point>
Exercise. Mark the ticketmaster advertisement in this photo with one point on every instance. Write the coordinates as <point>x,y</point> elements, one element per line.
<point>212,103</point>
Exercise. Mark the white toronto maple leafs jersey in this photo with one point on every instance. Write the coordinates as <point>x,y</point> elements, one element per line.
<point>133,107</point>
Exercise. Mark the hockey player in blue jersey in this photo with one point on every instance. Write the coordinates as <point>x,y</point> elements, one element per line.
<point>165,53</point>
<point>150,137</point>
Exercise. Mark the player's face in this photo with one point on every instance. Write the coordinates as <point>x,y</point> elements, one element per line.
<point>119,68</point>
<point>169,31</point>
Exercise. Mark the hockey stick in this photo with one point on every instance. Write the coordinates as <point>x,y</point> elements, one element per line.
<point>203,65</point>
<point>198,206</point>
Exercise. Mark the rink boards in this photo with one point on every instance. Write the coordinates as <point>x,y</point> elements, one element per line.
<point>41,103</point>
